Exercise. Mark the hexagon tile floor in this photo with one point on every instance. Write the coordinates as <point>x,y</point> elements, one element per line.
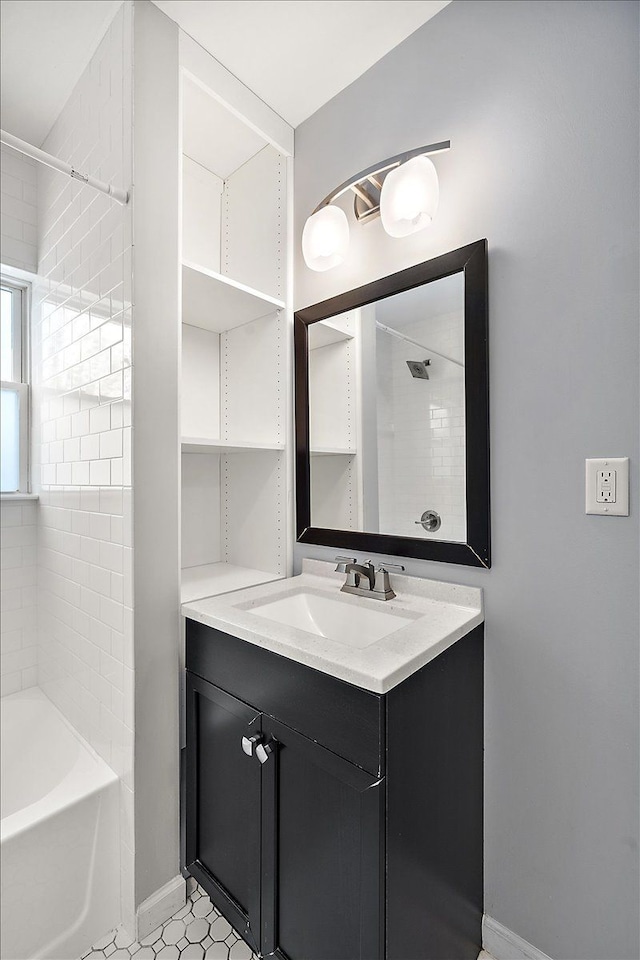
<point>197,931</point>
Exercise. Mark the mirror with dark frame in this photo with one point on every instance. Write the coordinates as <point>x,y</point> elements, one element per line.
<point>392,414</point>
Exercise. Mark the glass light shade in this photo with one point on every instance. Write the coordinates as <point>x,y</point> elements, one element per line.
<point>409,197</point>
<point>325,238</point>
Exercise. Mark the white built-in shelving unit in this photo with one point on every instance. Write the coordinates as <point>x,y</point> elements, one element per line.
<point>236,322</point>
<point>211,579</point>
<point>335,422</point>
<point>333,452</point>
<point>206,445</point>
<point>218,303</point>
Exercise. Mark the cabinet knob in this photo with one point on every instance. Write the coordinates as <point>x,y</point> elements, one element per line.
<point>249,744</point>
<point>265,750</point>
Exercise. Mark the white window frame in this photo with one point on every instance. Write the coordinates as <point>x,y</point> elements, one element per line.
<point>21,302</point>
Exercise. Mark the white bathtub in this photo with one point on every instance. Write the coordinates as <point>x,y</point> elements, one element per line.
<point>59,835</point>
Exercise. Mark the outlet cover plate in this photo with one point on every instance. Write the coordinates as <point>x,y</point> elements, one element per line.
<point>620,506</point>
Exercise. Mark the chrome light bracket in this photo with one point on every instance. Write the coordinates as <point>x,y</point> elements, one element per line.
<point>367,185</point>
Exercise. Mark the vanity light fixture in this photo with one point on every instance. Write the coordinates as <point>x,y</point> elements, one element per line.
<point>402,190</point>
<point>325,238</point>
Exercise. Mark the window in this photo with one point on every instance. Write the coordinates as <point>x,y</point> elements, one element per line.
<point>14,387</point>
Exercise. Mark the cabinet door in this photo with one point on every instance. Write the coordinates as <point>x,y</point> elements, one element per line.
<point>322,852</point>
<point>223,804</point>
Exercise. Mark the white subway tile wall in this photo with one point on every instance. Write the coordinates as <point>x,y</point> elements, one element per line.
<point>421,453</point>
<point>18,583</point>
<point>82,420</point>
<point>19,211</point>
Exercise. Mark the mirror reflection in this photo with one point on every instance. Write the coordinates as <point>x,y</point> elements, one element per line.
<point>387,415</point>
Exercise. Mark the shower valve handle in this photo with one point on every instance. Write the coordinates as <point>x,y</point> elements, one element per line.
<point>430,521</point>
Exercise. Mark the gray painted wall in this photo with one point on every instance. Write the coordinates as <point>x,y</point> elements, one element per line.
<point>540,102</point>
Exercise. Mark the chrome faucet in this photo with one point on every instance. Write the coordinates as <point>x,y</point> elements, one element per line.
<point>357,573</point>
<point>364,580</point>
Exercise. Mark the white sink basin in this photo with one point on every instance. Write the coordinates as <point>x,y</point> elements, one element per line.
<point>363,641</point>
<point>344,622</point>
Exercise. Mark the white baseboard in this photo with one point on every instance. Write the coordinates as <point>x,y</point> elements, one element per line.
<point>161,905</point>
<point>504,944</point>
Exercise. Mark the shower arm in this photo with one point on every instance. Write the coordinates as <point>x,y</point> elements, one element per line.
<point>121,196</point>
<point>401,336</point>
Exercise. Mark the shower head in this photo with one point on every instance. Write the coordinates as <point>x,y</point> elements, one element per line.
<point>418,368</point>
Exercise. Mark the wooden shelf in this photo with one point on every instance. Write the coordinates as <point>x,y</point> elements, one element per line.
<point>218,303</point>
<point>204,445</point>
<point>332,452</point>
<point>212,579</point>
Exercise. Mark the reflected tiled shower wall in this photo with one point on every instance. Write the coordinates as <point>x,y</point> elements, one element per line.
<point>421,460</point>
<point>82,420</point>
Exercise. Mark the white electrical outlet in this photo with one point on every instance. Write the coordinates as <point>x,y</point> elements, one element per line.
<point>607,487</point>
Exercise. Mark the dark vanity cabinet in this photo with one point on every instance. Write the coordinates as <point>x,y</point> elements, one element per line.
<point>327,822</point>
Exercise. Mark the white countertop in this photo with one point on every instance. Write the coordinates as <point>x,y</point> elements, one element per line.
<point>440,613</point>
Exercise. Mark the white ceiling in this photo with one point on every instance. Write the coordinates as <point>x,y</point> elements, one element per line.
<point>46,44</point>
<point>294,54</point>
<point>298,54</point>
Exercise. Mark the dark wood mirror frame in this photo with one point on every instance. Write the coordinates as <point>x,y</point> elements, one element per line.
<point>471,260</point>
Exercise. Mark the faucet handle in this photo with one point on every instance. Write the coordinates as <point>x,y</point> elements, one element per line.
<point>342,563</point>
<point>382,585</point>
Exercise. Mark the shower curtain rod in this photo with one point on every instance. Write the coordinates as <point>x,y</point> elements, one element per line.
<point>401,336</point>
<point>121,196</point>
